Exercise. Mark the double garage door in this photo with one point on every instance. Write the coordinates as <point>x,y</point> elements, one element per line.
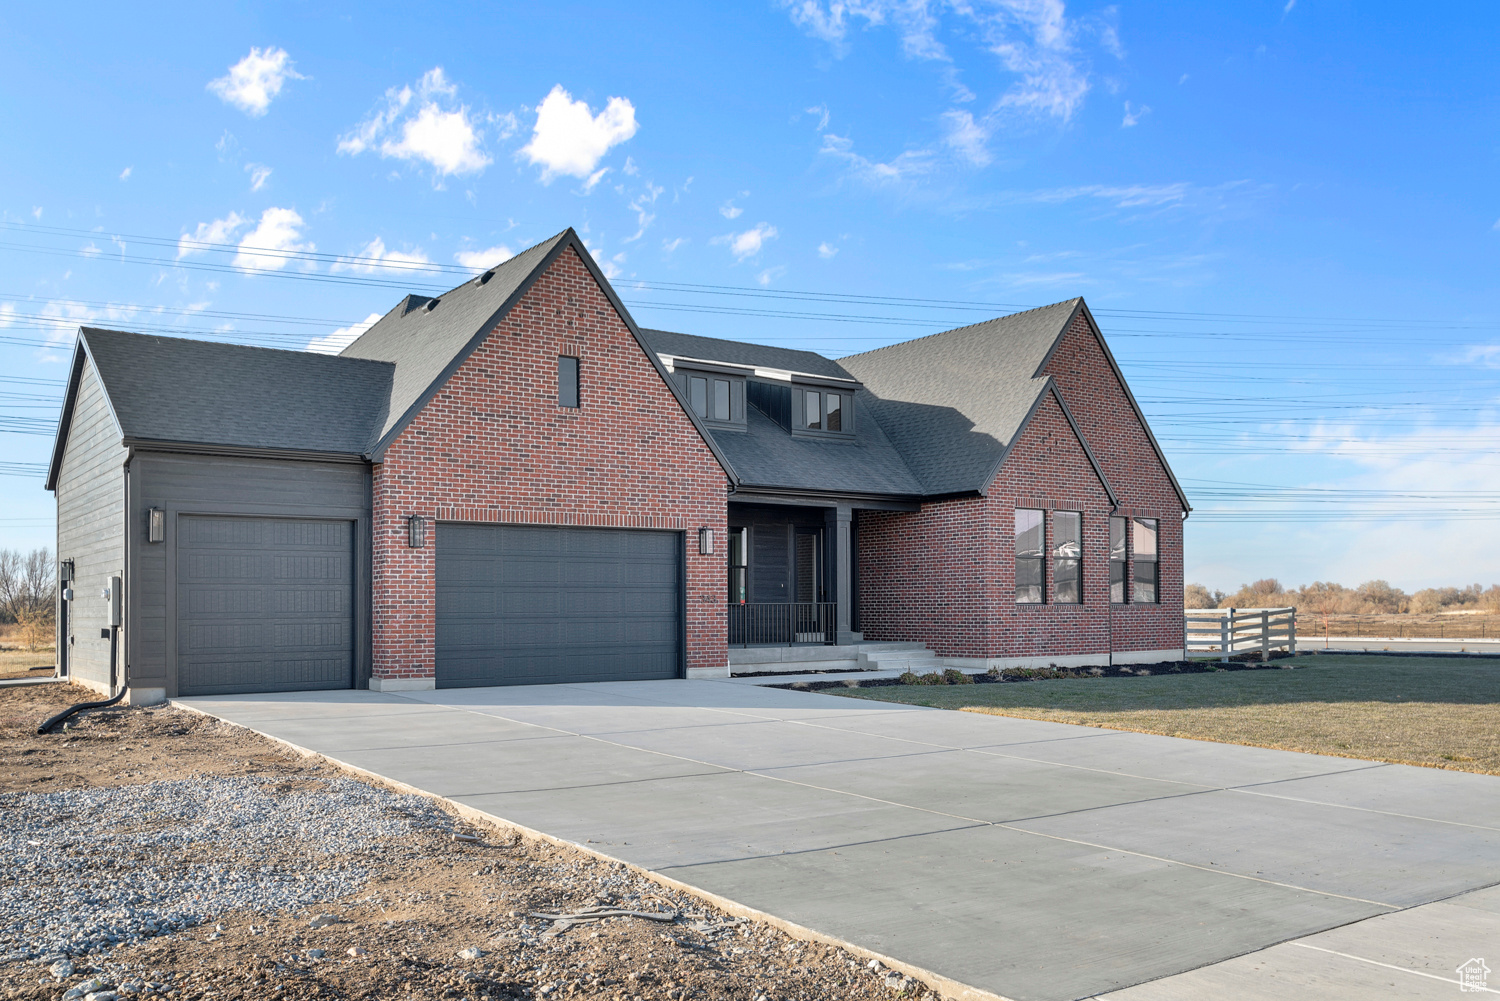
<point>524,605</point>
<point>267,605</point>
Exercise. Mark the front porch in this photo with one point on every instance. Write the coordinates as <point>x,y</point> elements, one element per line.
<point>792,576</point>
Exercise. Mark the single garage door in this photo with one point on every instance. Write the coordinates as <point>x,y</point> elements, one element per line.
<point>523,605</point>
<point>264,605</point>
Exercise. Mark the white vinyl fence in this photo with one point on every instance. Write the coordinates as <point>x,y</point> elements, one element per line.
<point>1228,631</point>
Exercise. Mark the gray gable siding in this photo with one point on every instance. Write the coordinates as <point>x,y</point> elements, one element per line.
<point>91,520</point>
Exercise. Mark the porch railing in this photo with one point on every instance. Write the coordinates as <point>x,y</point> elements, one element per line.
<point>1228,631</point>
<point>782,623</point>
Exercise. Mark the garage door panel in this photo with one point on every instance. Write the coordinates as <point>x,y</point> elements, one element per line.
<point>534,604</point>
<point>264,605</point>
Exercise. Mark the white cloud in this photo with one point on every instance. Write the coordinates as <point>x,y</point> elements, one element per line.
<point>36,213</point>
<point>1483,355</point>
<point>1032,39</point>
<point>966,137</point>
<point>570,140</point>
<point>253,82</point>
<point>821,110</point>
<point>481,260</point>
<point>1126,196</point>
<point>7,313</point>
<point>671,245</point>
<point>259,175</point>
<point>641,206</point>
<point>332,344</point>
<point>630,169</point>
<point>1134,115</point>
<point>827,250</point>
<point>219,231</point>
<point>729,210</point>
<point>125,174</point>
<point>748,243</point>
<point>769,275</point>
<point>903,168</point>
<point>279,232</point>
<point>90,249</point>
<point>426,124</point>
<point>375,257</point>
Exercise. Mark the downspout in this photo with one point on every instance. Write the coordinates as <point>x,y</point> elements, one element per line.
<point>1185,514</point>
<point>1109,599</point>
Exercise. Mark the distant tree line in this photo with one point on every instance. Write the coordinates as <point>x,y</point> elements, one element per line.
<point>28,590</point>
<point>1328,598</point>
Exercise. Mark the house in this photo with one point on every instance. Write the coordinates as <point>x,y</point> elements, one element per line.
<point>514,483</point>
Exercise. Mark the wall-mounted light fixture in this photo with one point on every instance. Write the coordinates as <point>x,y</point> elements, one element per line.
<point>156,525</point>
<point>706,541</point>
<point>416,531</point>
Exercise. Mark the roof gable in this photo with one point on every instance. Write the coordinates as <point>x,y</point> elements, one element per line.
<point>953,403</point>
<point>428,340</point>
<point>172,390</point>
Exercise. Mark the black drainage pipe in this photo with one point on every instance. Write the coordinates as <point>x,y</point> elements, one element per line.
<point>114,639</point>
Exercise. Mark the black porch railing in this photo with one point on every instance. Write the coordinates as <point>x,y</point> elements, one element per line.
<point>782,623</point>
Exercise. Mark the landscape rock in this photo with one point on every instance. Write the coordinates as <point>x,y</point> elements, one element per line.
<point>472,952</point>
<point>323,921</point>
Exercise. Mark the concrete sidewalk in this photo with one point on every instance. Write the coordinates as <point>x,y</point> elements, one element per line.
<point>1028,859</point>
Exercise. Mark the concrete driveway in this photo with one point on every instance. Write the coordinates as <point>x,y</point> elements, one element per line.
<point>1031,860</point>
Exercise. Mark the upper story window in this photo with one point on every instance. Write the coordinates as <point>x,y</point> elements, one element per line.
<point>567,381</point>
<point>825,410</point>
<point>714,397</point>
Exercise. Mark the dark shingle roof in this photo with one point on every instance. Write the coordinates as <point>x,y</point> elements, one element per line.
<point>952,402</point>
<point>767,455</point>
<point>172,389</point>
<point>664,342</point>
<point>422,343</point>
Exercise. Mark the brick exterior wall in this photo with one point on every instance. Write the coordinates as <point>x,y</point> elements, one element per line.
<point>494,446</point>
<point>946,575</point>
<point>1119,441</point>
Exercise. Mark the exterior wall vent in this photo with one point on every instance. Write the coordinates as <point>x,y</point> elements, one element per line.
<point>431,305</point>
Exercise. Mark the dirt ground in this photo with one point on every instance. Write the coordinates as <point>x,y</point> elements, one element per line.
<point>400,936</point>
<point>1411,625</point>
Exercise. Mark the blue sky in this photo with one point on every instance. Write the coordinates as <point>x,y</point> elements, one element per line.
<point>1284,215</point>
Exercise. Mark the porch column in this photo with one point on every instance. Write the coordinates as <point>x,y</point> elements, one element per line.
<point>840,520</point>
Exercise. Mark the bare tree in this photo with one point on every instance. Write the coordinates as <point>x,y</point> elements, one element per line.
<point>12,573</point>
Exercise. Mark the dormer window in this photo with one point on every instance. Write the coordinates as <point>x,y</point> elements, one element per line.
<point>718,398</point>
<point>825,410</point>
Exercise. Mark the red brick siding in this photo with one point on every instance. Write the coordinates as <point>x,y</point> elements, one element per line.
<point>946,575</point>
<point>493,445</point>
<point>1099,403</point>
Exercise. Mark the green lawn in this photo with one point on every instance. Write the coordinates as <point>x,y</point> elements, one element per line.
<point>1442,712</point>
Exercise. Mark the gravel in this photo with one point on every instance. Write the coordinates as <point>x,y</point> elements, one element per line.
<point>177,852</point>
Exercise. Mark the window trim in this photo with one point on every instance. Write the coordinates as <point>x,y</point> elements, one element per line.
<point>738,392</point>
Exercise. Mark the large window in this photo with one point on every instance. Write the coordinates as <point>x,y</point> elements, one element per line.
<point>567,381</point>
<point>1030,557</point>
<point>739,590</point>
<point>710,397</point>
<point>1067,554</point>
<point>822,410</point>
<point>1143,542</point>
<point>1117,562</point>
